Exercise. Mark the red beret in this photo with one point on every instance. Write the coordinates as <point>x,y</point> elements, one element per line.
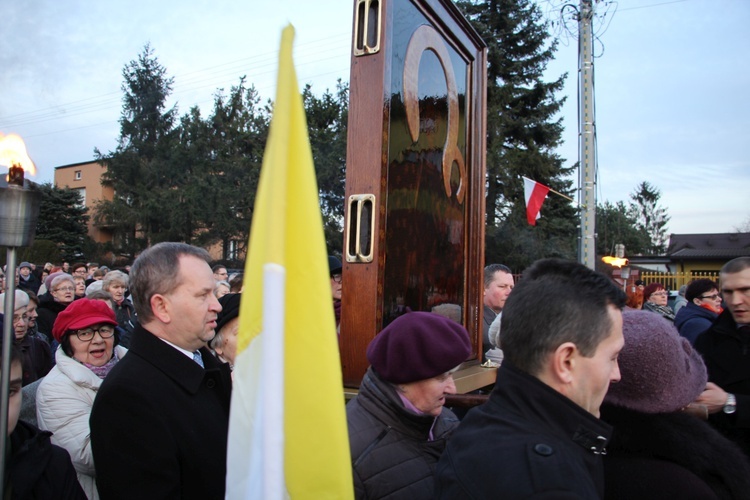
<point>82,313</point>
<point>418,346</point>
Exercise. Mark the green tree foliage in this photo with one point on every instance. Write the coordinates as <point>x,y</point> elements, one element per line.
<point>616,223</point>
<point>139,168</point>
<point>230,145</point>
<point>650,216</point>
<point>326,120</point>
<point>522,134</point>
<point>63,219</point>
<point>193,179</point>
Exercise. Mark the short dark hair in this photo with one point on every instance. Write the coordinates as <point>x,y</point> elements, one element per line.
<point>217,267</point>
<point>696,288</point>
<point>557,301</point>
<point>157,271</point>
<point>736,265</point>
<point>77,265</point>
<point>489,272</point>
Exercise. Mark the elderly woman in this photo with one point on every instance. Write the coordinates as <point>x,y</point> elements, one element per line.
<point>88,351</point>
<point>224,343</point>
<point>222,288</point>
<point>37,357</point>
<point>655,298</point>
<point>80,283</point>
<point>398,427</point>
<point>661,447</point>
<point>116,283</point>
<point>702,308</point>
<point>61,294</point>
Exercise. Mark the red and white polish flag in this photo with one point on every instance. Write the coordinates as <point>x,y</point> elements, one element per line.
<point>535,194</point>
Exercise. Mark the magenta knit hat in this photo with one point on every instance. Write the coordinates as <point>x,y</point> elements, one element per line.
<point>660,372</point>
<point>418,346</point>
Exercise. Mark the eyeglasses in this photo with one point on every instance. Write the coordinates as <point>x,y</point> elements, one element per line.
<point>712,297</point>
<point>336,278</point>
<point>65,289</point>
<point>87,334</point>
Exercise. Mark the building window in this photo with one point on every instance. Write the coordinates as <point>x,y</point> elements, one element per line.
<point>82,193</point>
<point>233,250</point>
<point>78,175</point>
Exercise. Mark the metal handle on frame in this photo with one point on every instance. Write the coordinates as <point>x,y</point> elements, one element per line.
<point>359,226</point>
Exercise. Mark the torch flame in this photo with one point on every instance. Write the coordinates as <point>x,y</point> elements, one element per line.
<point>615,261</point>
<point>13,152</point>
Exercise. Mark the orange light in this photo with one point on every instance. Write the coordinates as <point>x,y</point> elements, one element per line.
<point>13,153</point>
<point>615,261</point>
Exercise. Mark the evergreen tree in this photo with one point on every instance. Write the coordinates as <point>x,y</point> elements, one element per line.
<point>650,216</point>
<point>231,157</point>
<point>522,134</point>
<point>63,219</point>
<point>140,171</point>
<point>326,122</point>
<point>616,223</point>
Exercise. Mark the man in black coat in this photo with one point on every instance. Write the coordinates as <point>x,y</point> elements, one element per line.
<point>726,351</point>
<point>159,422</point>
<point>539,434</point>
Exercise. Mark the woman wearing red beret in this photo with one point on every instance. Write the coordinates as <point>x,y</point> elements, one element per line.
<point>88,351</point>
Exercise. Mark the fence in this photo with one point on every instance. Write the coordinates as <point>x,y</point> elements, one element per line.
<point>673,281</point>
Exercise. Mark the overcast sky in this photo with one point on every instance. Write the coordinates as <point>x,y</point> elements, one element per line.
<point>672,81</point>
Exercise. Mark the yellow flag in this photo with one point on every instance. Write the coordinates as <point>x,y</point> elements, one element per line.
<point>299,448</point>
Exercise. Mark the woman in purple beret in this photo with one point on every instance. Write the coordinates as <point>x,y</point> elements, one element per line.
<point>398,427</point>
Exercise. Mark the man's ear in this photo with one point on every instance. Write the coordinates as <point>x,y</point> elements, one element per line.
<point>161,307</point>
<point>697,302</point>
<point>563,362</point>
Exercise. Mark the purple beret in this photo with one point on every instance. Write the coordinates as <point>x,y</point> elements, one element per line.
<point>660,372</point>
<point>418,346</point>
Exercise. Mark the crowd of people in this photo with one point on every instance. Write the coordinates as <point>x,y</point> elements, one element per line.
<point>121,383</point>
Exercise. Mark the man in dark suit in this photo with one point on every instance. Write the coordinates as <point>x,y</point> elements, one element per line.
<point>725,347</point>
<point>159,422</point>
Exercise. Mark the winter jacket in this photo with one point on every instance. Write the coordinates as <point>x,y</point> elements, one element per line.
<point>392,456</point>
<point>63,405</point>
<point>31,284</point>
<point>726,352</point>
<point>693,320</point>
<point>526,441</point>
<point>159,424</point>
<point>674,455</point>
<point>36,469</point>
<point>48,312</point>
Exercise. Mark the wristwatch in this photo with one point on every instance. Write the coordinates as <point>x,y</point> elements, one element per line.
<point>731,405</point>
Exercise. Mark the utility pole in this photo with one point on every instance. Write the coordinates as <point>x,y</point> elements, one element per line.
<point>586,137</point>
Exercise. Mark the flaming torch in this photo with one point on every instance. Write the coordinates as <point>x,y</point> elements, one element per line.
<point>19,210</point>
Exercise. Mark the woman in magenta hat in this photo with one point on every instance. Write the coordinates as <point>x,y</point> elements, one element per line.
<point>88,351</point>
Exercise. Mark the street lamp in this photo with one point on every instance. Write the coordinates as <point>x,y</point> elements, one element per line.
<point>19,210</point>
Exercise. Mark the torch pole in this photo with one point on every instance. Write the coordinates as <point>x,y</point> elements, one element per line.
<point>8,338</point>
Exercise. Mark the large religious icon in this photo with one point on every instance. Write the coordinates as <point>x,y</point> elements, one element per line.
<point>414,222</point>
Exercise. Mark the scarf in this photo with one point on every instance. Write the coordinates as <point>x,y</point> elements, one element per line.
<point>664,311</point>
<point>103,371</point>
